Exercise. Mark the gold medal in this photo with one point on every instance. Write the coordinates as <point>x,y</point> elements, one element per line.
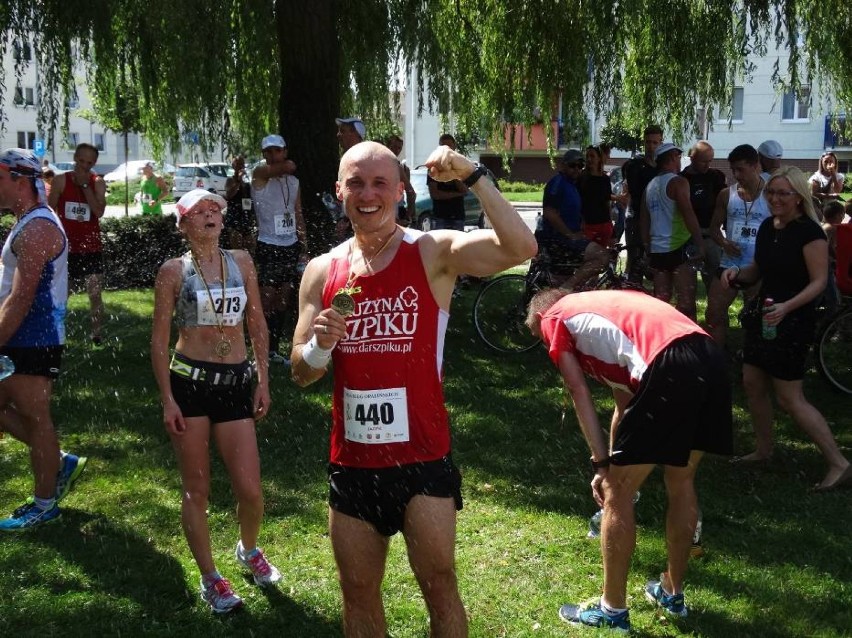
<point>223,348</point>
<point>343,303</point>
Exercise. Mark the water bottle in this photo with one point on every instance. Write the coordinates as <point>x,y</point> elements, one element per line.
<point>768,332</point>
<point>595,524</point>
<point>697,550</point>
<point>691,252</point>
<point>7,367</point>
<point>595,520</point>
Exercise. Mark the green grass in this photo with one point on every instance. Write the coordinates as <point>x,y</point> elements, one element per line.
<point>778,561</point>
<point>524,197</point>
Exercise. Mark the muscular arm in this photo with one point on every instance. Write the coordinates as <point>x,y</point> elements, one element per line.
<point>57,186</point>
<point>480,252</point>
<point>584,405</point>
<point>718,221</point>
<point>678,190</point>
<point>38,243</point>
<point>265,172</point>
<point>312,315</point>
<point>553,218</point>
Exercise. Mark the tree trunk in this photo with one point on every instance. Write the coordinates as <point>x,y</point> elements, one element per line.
<point>309,101</point>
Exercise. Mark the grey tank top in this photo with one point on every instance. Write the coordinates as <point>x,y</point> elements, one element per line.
<point>193,306</point>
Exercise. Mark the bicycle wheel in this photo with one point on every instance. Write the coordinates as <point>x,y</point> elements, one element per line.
<point>499,313</point>
<point>834,355</point>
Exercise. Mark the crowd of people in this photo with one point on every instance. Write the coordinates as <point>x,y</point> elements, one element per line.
<point>770,234</point>
<point>377,305</point>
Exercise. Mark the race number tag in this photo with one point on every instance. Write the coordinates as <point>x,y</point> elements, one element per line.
<point>743,234</point>
<point>246,203</point>
<point>78,212</point>
<point>375,416</point>
<point>229,308</point>
<point>285,224</point>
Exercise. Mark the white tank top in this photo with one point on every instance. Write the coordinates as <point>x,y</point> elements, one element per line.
<point>275,207</point>
<point>743,220</point>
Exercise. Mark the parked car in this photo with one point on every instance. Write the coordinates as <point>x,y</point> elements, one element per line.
<point>61,167</point>
<point>210,176</point>
<point>133,170</point>
<point>473,215</point>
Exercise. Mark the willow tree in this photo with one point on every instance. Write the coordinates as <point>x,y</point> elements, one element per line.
<point>242,68</point>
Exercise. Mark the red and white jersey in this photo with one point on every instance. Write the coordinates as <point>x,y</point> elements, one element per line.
<point>615,334</point>
<point>388,405</point>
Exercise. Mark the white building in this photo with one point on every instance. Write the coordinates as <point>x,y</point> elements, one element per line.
<point>21,126</point>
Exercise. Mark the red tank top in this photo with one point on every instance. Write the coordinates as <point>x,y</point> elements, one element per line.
<point>81,225</point>
<point>388,406</point>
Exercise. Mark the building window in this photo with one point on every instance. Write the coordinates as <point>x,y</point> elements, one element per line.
<point>26,139</point>
<point>737,104</point>
<point>24,96</point>
<point>796,106</point>
<point>23,51</point>
<point>72,101</point>
<point>100,141</point>
<point>71,140</point>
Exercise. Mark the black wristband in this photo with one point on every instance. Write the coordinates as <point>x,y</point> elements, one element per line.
<point>478,172</point>
<point>596,465</point>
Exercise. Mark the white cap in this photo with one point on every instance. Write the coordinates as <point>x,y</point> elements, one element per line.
<point>273,141</point>
<point>771,149</point>
<point>193,198</point>
<point>665,147</point>
<point>356,123</point>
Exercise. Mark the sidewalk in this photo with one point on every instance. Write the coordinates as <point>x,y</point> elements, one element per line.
<point>134,209</point>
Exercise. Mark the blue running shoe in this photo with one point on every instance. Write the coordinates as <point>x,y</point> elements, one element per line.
<point>70,469</point>
<point>591,615</point>
<point>672,603</point>
<point>28,516</point>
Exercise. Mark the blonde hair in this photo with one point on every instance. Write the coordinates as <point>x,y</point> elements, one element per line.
<point>800,184</point>
<point>541,303</point>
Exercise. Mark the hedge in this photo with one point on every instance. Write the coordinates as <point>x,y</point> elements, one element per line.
<point>134,247</point>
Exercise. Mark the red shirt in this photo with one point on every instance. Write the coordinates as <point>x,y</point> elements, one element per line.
<point>614,334</point>
<point>388,406</point>
<point>81,224</point>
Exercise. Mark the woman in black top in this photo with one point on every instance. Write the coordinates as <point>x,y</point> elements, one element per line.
<point>791,260</point>
<point>596,197</point>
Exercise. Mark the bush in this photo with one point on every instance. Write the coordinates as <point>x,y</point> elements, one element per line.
<point>115,192</point>
<point>134,247</point>
<point>520,187</point>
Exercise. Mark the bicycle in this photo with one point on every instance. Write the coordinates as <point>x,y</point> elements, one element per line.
<point>500,308</point>
<point>834,355</point>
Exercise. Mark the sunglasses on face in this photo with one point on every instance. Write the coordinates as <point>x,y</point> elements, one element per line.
<point>773,192</point>
<point>575,165</point>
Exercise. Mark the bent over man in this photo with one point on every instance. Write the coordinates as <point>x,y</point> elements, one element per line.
<point>378,305</point>
<point>673,403</point>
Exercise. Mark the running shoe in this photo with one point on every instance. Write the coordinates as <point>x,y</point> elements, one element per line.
<point>28,516</point>
<point>277,357</point>
<point>591,615</point>
<point>220,597</point>
<point>70,469</point>
<point>672,603</point>
<point>263,572</point>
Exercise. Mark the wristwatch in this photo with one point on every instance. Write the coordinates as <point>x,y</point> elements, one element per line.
<point>596,465</point>
<point>478,172</point>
